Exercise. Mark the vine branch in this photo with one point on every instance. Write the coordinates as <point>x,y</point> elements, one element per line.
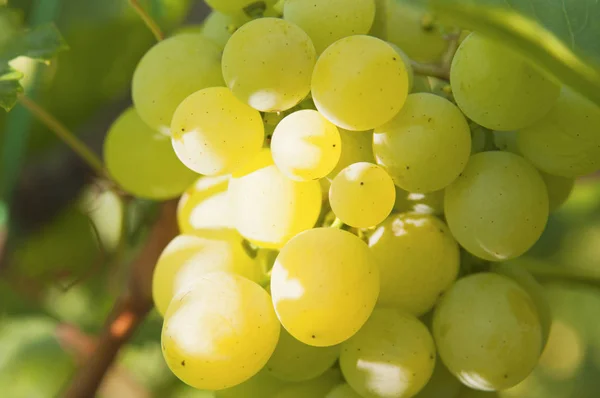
<point>150,23</point>
<point>433,70</point>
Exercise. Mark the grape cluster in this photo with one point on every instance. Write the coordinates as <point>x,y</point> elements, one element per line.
<point>357,228</point>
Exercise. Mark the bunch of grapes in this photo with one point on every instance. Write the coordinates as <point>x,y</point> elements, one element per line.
<point>355,231</point>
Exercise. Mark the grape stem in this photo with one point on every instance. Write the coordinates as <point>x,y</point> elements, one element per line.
<point>563,274</point>
<point>64,134</point>
<point>439,71</point>
<point>150,23</point>
<point>337,223</point>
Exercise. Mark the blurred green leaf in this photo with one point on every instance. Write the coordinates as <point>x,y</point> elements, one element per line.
<point>9,86</point>
<point>560,36</point>
<point>41,43</point>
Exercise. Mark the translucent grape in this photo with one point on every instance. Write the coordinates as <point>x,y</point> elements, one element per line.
<point>442,384</point>
<point>219,27</point>
<point>296,361</point>
<point>236,6</point>
<point>261,385</point>
<point>559,189</point>
<point>497,88</point>
<point>214,133</point>
<point>418,261</point>
<point>566,142</point>
<point>169,72</point>
<point>407,64</point>
<point>306,146</point>
<point>426,145</point>
<point>220,332</point>
<point>421,203</point>
<point>142,161</point>
<point>356,147</point>
<point>323,300</point>
<point>488,331</point>
<point>343,391</point>
<point>330,20</point>
<point>359,83</point>
<point>269,208</point>
<point>393,355</point>
<point>362,195</point>
<point>498,207</point>
<point>188,258</point>
<point>312,388</point>
<point>267,63</point>
<point>205,205</point>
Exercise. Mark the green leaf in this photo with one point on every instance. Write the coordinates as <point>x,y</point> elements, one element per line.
<point>41,43</point>
<point>560,36</point>
<point>9,86</point>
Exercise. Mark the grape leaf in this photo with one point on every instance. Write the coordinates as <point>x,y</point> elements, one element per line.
<point>560,36</point>
<point>9,86</point>
<point>41,43</point>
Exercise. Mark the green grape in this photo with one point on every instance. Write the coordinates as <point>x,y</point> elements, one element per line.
<point>506,141</point>
<point>170,71</point>
<point>362,195</point>
<point>488,331</point>
<point>261,385</point>
<point>442,384</point>
<point>497,88</point>
<point>559,189</point>
<point>214,133</point>
<point>359,83</point>
<point>393,355</point>
<point>482,139</point>
<point>470,393</point>
<point>514,270</point>
<point>343,391</point>
<point>142,161</point>
<point>407,65</point>
<point>356,147</point>
<point>267,64</point>
<point>188,258</point>
<point>234,7</point>
<point>418,261</point>
<point>498,207</point>
<point>421,203</point>
<point>219,332</point>
<point>205,206</point>
<point>296,361</point>
<point>421,84</point>
<point>329,20</point>
<point>566,142</point>
<point>306,146</point>
<point>267,207</point>
<point>219,27</point>
<point>404,24</point>
<point>323,300</point>
<point>314,388</point>
<point>430,125</point>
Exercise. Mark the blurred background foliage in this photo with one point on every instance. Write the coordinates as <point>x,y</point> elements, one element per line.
<point>61,276</point>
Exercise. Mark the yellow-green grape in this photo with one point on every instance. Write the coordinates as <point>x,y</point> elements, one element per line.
<point>188,258</point>
<point>421,203</point>
<point>442,384</point>
<point>214,132</point>
<point>506,141</point>
<point>393,355</point>
<point>362,195</point>
<point>320,299</point>
<point>261,385</point>
<point>220,332</point>
<point>559,189</point>
<point>497,88</point>
<point>142,161</point>
<point>407,65</point>
<point>409,27</point>
<point>343,391</point>
<point>169,72</point>
<point>219,27</point>
<point>312,388</point>
<point>327,21</point>
<point>418,261</point>
<point>470,393</point>
<point>267,64</point>
<point>306,146</point>
<point>267,207</point>
<point>514,270</point>
<point>357,146</point>
<point>498,207</point>
<point>205,205</point>
<point>426,145</point>
<point>296,361</point>
<point>487,330</point>
<point>359,83</point>
<point>566,142</point>
<point>234,7</point>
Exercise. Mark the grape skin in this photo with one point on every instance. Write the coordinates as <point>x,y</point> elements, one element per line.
<point>323,300</point>
<point>488,331</point>
<point>356,147</point>
<point>442,384</point>
<point>317,387</point>
<point>421,203</point>
<point>142,161</point>
<point>261,385</point>
<point>392,356</point>
<point>343,391</point>
<point>233,7</point>
<point>267,64</point>
<point>170,71</point>
<point>218,27</point>
<point>559,189</point>
<point>220,332</point>
<point>205,205</point>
